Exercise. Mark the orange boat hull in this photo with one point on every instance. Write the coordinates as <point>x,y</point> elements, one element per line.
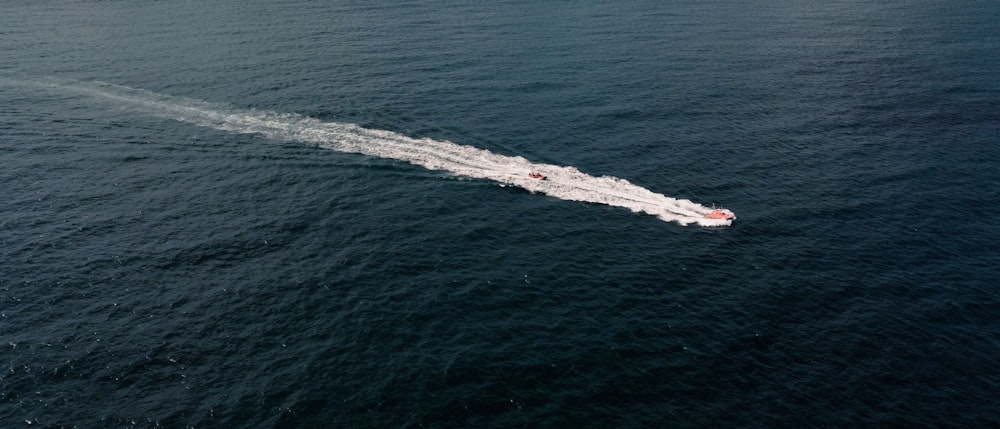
<point>720,214</point>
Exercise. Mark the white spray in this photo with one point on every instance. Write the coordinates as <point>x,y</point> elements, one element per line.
<point>567,183</point>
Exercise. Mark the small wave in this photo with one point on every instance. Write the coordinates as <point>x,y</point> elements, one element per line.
<point>564,182</point>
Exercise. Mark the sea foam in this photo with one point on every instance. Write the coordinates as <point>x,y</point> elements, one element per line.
<point>563,182</point>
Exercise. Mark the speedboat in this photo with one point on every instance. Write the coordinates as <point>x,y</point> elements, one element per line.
<point>538,176</point>
<point>721,214</point>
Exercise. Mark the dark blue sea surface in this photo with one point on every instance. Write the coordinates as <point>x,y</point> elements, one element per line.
<point>188,240</point>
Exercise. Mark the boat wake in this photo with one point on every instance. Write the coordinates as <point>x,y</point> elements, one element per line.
<point>564,182</point>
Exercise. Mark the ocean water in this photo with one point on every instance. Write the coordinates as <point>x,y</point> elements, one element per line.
<point>296,213</point>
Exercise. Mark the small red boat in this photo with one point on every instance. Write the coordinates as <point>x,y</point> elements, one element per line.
<point>538,176</point>
<point>721,214</point>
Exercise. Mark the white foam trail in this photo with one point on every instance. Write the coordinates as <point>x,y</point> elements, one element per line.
<point>567,183</point>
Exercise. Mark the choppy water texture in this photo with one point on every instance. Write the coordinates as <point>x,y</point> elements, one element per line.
<point>180,247</point>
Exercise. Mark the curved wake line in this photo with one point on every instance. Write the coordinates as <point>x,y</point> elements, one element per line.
<point>564,182</point>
